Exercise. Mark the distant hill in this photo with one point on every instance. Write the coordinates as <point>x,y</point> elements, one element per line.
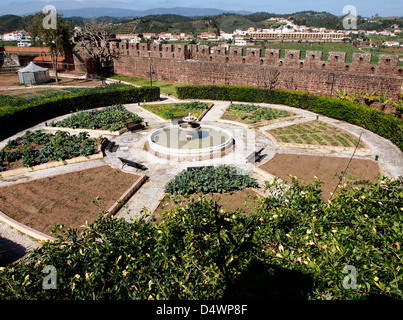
<point>317,19</point>
<point>11,22</point>
<point>120,13</point>
<point>196,20</point>
<point>176,23</point>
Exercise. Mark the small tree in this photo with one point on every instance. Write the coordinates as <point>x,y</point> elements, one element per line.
<point>56,39</point>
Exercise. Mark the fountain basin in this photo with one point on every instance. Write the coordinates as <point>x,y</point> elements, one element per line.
<point>206,142</point>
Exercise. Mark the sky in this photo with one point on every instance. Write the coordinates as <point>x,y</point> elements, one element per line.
<point>365,8</point>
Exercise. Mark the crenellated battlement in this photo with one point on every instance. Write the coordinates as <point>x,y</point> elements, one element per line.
<point>336,61</point>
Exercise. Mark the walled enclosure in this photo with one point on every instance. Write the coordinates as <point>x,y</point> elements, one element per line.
<point>201,64</point>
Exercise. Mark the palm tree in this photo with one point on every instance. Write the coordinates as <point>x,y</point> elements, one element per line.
<point>383,99</point>
<point>398,108</point>
<point>370,98</point>
<point>343,95</point>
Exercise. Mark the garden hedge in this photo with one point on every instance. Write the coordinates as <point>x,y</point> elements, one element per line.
<point>385,125</point>
<point>17,118</point>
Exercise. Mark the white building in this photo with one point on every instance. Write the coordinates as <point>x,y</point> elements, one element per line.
<point>239,42</point>
<point>23,44</point>
<point>225,36</point>
<point>17,35</point>
<point>391,44</point>
<point>240,32</point>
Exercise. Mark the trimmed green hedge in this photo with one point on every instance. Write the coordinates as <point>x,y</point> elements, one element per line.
<point>385,125</point>
<point>20,117</point>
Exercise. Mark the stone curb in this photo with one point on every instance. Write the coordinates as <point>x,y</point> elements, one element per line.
<point>129,192</point>
<point>37,235</point>
<point>90,131</point>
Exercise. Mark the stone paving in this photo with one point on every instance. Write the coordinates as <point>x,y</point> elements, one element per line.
<point>160,171</point>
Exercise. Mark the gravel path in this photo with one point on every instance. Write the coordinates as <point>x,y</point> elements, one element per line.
<point>131,146</point>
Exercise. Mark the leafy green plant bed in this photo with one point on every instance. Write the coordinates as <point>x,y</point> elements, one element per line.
<point>253,114</point>
<point>38,147</point>
<point>316,133</point>
<point>111,118</point>
<point>177,110</point>
<point>223,178</point>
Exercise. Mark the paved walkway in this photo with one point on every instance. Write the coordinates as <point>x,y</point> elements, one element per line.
<point>131,146</point>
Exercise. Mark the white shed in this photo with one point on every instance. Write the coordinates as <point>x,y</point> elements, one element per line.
<point>33,74</point>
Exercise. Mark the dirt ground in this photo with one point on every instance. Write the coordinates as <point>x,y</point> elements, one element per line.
<point>230,202</point>
<point>307,166</point>
<point>70,199</point>
<point>11,80</point>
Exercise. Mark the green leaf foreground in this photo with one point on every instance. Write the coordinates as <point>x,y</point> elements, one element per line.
<point>294,246</point>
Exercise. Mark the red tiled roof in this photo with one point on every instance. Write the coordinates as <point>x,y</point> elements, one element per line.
<point>26,49</point>
<point>47,59</point>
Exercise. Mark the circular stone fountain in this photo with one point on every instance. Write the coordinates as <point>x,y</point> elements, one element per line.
<point>190,141</point>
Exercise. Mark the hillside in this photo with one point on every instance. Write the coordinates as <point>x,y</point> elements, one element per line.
<point>176,23</point>
<point>11,22</point>
<point>317,19</point>
<point>228,22</point>
<point>189,23</point>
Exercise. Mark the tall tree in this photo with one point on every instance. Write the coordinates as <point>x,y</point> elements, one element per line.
<point>55,37</point>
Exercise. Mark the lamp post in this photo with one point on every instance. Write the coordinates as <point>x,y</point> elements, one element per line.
<point>330,82</point>
<point>152,73</point>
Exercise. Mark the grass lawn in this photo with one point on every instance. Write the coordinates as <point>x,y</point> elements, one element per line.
<point>315,133</point>
<point>166,87</point>
<point>327,47</point>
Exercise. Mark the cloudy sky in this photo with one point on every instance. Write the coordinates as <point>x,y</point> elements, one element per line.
<point>365,8</point>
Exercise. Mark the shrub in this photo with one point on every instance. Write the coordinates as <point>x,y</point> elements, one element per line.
<point>295,246</point>
<point>385,125</point>
<point>29,157</point>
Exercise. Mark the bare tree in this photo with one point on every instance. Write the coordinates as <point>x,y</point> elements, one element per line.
<point>94,38</point>
<point>270,78</point>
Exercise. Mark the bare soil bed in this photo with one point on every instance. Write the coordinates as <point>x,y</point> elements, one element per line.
<point>243,200</point>
<point>306,167</point>
<point>70,199</point>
